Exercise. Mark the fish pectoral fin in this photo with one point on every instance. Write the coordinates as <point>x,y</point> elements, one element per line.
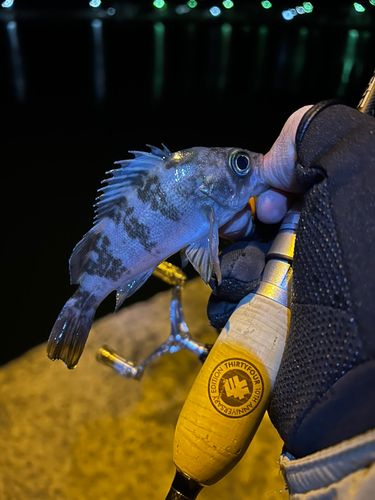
<point>184,259</point>
<point>204,253</point>
<point>129,287</point>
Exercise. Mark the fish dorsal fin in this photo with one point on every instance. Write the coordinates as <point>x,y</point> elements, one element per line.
<point>204,254</point>
<point>125,177</point>
<point>129,287</point>
<point>159,152</point>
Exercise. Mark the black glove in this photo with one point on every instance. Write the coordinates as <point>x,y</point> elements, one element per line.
<point>241,265</point>
<point>325,389</point>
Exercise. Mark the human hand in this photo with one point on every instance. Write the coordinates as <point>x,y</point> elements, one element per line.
<point>323,393</point>
<point>278,172</point>
<point>242,263</point>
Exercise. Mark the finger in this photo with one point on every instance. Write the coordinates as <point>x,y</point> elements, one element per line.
<point>279,162</point>
<point>272,205</point>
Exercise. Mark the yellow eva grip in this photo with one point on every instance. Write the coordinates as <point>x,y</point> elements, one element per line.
<point>231,393</point>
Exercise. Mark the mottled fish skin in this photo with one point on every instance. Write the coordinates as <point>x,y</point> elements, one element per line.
<point>152,207</point>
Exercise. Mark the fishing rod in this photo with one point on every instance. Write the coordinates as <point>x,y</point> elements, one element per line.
<point>231,393</point>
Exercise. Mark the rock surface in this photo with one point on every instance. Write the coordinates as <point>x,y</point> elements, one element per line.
<point>89,434</point>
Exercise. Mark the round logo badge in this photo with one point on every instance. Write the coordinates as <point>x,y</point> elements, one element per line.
<point>235,387</point>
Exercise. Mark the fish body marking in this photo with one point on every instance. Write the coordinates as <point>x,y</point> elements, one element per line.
<point>152,207</point>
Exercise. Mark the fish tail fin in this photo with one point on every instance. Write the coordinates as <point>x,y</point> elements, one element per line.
<point>70,331</point>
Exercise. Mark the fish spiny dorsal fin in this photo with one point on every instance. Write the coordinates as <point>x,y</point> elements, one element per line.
<point>159,152</point>
<point>125,178</point>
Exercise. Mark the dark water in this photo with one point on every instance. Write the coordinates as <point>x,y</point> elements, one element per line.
<point>79,90</point>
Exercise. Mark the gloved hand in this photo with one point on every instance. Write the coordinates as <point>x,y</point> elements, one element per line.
<point>241,265</point>
<point>325,389</point>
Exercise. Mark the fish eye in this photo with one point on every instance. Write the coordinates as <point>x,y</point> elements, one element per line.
<point>240,163</point>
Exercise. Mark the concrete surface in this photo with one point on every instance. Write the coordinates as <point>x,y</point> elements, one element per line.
<point>90,434</point>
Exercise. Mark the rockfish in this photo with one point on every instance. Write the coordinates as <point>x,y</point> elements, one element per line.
<point>153,206</point>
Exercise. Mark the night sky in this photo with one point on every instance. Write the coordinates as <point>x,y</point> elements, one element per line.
<point>80,87</point>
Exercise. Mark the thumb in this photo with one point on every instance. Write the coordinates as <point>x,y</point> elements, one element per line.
<point>279,162</point>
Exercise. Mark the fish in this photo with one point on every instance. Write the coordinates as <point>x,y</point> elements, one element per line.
<point>151,207</point>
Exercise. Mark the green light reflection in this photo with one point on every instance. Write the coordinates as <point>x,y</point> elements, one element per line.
<point>228,4</point>
<point>299,57</point>
<point>158,77</point>
<point>308,7</point>
<point>348,60</point>
<point>159,4</point>
<point>226,32</point>
<point>259,69</point>
<point>358,7</point>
